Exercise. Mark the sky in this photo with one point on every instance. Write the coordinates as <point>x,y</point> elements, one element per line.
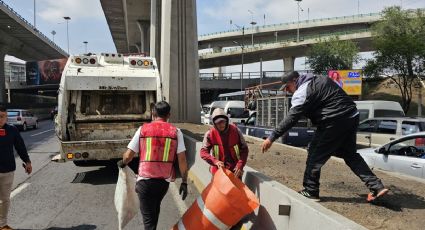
<point>88,21</point>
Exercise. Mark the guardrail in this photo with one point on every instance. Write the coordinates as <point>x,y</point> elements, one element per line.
<point>303,22</point>
<point>237,75</point>
<point>11,10</point>
<point>249,48</point>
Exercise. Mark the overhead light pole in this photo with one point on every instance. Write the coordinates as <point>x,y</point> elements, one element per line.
<point>298,28</point>
<point>243,48</point>
<point>85,46</point>
<point>67,30</point>
<point>53,35</point>
<point>34,15</point>
<point>252,26</point>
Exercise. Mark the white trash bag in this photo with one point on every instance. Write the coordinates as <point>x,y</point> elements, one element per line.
<point>126,199</point>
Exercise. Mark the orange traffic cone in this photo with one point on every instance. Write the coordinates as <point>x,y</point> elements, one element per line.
<point>222,204</point>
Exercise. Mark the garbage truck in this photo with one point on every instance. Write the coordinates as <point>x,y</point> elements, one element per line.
<point>102,100</point>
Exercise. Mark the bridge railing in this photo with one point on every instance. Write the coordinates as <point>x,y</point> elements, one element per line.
<point>237,75</point>
<point>31,26</point>
<point>249,48</point>
<point>294,23</point>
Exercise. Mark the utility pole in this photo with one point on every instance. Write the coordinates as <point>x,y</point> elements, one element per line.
<point>252,26</point>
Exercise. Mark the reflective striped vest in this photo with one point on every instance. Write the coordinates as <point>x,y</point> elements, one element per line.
<point>218,148</point>
<point>158,150</point>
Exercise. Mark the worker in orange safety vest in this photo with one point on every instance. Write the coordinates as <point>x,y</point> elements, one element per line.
<point>160,144</point>
<point>224,145</point>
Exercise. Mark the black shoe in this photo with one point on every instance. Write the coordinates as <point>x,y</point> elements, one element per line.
<point>310,195</point>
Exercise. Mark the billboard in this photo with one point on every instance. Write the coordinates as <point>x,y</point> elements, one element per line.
<point>349,80</point>
<point>45,72</point>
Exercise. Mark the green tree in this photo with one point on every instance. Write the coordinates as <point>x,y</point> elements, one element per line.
<point>399,41</point>
<point>332,54</point>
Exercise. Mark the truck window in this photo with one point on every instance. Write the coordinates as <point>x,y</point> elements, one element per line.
<point>367,126</point>
<point>113,103</point>
<point>387,127</point>
<point>388,113</point>
<point>238,112</point>
<point>409,127</point>
<point>363,114</point>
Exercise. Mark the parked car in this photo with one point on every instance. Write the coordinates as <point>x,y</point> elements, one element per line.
<point>234,109</point>
<point>404,155</point>
<point>371,109</point>
<point>378,131</point>
<point>22,119</point>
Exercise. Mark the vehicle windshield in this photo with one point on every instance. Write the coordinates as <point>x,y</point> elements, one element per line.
<point>108,103</point>
<point>12,113</point>
<point>238,113</point>
<point>388,113</point>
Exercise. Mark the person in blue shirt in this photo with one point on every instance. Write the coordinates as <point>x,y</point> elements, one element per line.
<point>9,138</point>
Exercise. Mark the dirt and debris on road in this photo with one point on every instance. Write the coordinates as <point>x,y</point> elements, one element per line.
<point>341,190</point>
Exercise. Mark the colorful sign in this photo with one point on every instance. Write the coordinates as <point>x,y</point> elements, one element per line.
<point>349,80</point>
<point>45,72</point>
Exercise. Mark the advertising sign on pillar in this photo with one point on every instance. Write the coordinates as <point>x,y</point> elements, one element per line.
<point>33,75</point>
<point>45,72</point>
<point>349,80</point>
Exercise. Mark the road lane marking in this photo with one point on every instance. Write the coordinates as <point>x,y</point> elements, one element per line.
<point>19,189</point>
<point>42,132</point>
<point>181,205</point>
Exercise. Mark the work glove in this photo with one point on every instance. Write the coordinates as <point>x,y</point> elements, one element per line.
<point>121,164</point>
<point>183,190</point>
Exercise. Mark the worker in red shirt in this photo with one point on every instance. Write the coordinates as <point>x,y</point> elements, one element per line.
<point>224,145</point>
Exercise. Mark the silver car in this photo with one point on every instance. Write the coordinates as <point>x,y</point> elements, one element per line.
<point>405,155</point>
<point>22,119</point>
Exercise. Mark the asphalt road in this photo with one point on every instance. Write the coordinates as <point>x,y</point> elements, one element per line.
<point>63,196</point>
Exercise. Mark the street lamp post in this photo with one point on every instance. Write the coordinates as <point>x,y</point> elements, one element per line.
<point>85,46</point>
<point>252,26</point>
<point>243,48</point>
<point>67,30</point>
<point>298,28</point>
<point>34,15</point>
<point>53,35</point>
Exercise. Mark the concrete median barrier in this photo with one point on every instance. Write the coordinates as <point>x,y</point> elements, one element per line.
<point>281,207</point>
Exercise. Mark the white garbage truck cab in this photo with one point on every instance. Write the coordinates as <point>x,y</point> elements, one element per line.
<point>102,101</point>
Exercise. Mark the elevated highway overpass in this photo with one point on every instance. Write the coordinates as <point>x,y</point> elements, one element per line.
<point>287,49</point>
<point>21,39</point>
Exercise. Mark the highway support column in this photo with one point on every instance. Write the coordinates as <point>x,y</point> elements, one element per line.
<point>155,31</point>
<point>179,60</point>
<point>288,64</point>
<point>2,75</point>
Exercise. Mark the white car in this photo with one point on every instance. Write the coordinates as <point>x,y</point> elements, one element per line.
<point>378,131</point>
<point>405,155</point>
<point>22,119</point>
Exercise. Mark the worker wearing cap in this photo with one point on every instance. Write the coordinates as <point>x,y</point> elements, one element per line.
<point>224,145</point>
<point>336,116</point>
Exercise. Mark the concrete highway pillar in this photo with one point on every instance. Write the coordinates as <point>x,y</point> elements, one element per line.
<point>155,31</point>
<point>179,59</point>
<point>2,75</point>
<point>288,64</point>
<point>144,35</point>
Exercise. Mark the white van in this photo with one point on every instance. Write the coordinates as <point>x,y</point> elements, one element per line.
<point>371,109</point>
<point>234,109</point>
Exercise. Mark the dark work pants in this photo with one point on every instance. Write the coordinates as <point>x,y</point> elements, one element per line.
<point>337,139</point>
<point>151,192</point>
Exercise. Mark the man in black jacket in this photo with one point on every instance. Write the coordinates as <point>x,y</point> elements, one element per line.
<point>336,116</point>
<point>9,138</point>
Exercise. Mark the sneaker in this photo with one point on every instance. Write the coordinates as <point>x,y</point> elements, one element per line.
<point>6,227</point>
<point>310,195</point>
<point>376,194</point>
